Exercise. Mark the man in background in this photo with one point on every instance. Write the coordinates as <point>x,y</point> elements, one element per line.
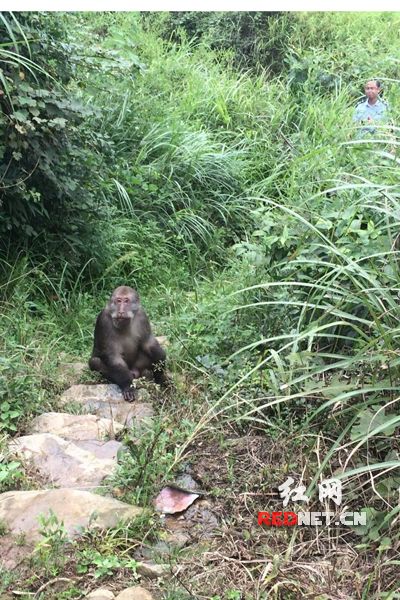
<point>373,110</point>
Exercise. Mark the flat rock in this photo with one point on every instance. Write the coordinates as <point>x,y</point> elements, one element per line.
<point>172,500</point>
<point>100,594</point>
<point>152,570</point>
<point>75,427</point>
<point>177,539</point>
<point>70,372</point>
<point>134,593</point>
<point>105,400</point>
<point>75,508</point>
<point>62,463</point>
<point>101,449</point>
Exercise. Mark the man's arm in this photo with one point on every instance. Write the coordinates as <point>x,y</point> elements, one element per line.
<point>358,113</point>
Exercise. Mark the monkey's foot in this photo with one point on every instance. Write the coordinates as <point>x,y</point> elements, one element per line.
<point>129,395</point>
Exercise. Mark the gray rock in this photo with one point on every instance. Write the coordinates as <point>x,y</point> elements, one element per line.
<point>151,570</point>
<point>108,449</point>
<point>71,372</point>
<point>75,427</point>
<point>76,509</point>
<point>100,594</point>
<point>177,539</point>
<point>105,400</point>
<point>62,462</point>
<point>187,483</point>
<point>134,593</point>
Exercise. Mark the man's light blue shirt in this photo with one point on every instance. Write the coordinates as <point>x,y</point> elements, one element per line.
<point>370,113</point>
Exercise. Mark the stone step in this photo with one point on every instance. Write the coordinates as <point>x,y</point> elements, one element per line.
<point>19,510</point>
<point>75,427</point>
<point>66,463</point>
<point>105,400</point>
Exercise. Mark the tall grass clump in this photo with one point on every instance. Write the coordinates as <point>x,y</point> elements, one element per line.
<point>185,133</point>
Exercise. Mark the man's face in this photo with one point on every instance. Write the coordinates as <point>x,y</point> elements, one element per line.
<point>371,90</point>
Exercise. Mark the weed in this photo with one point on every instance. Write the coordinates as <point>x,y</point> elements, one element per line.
<point>49,552</point>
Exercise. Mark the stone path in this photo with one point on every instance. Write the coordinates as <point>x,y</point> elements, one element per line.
<point>72,454</point>
<point>79,451</point>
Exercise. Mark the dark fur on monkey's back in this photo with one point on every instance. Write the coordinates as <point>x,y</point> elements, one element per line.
<point>124,346</point>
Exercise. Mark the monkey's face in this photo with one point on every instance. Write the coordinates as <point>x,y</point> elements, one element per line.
<point>123,308</point>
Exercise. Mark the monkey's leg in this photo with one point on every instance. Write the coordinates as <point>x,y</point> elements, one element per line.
<point>96,364</point>
<point>116,371</point>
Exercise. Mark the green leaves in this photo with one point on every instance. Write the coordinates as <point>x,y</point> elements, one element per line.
<point>21,115</point>
<point>49,174</point>
<point>373,421</point>
<point>10,473</point>
<point>58,123</point>
<point>9,417</point>
<point>374,523</point>
<point>26,101</point>
<point>104,564</point>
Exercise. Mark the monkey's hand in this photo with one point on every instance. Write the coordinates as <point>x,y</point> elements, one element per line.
<point>129,394</point>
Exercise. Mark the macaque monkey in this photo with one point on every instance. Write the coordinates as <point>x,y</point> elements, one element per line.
<point>124,346</point>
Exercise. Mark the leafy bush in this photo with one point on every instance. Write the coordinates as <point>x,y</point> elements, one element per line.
<point>256,39</point>
<point>48,165</point>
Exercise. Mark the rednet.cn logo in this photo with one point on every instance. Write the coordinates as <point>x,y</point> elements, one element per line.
<point>329,489</point>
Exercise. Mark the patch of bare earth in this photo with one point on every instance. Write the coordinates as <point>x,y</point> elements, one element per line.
<point>241,476</point>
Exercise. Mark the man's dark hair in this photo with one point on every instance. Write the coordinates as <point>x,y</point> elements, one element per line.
<point>378,82</point>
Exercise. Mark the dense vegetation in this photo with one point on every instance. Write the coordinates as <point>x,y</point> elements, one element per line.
<point>210,160</point>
